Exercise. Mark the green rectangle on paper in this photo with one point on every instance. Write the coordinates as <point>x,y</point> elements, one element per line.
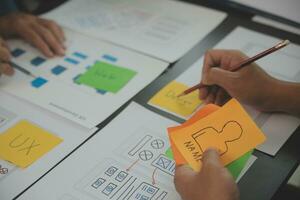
<point>169,153</point>
<point>107,77</point>
<point>238,165</point>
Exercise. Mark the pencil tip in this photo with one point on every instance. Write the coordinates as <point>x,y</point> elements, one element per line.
<point>180,95</point>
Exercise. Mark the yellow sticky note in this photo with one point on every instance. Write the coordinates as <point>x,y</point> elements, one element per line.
<point>167,99</point>
<point>229,129</point>
<point>25,142</point>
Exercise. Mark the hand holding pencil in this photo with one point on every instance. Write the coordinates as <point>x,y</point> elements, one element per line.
<point>229,73</point>
<point>5,67</point>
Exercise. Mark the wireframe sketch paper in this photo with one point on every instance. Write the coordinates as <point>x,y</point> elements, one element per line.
<point>14,179</point>
<point>162,29</point>
<point>57,86</point>
<point>121,161</point>
<point>277,127</point>
<point>288,9</point>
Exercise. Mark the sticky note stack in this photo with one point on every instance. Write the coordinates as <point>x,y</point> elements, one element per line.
<point>228,129</point>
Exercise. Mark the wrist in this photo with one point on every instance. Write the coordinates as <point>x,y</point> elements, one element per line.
<point>272,96</point>
<point>284,97</point>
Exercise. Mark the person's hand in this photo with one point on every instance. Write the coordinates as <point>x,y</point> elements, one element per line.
<point>5,68</point>
<point>250,85</point>
<point>44,34</point>
<point>213,182</point>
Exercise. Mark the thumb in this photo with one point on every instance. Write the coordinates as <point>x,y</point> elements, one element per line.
<point>183,176</point>
<point>218,76</point>
<point>211,157</point>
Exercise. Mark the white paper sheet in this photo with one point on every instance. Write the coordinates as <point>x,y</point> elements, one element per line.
<point>283,64</point>
<point>276,24</point>
<point>129,149</point>
<point>12,110</point>
<point>61,95</point>
<point>126,156</point>
<point>249,163</point>
<point>163,29</point>
<point>288,9</point>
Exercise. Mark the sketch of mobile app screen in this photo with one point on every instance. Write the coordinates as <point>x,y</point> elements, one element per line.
<point>148,148</point>
<point>112,180</point>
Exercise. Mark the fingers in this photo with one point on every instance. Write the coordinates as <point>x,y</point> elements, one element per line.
<point>36,40</point>
<point>49,38</point>
<point>44,34</point>
<point>183,176</point>
<point>4,54</point>
<point>211,157</point>
<point>54,28</point>
<point>221,97</point>
<point>6,69</point>
<point>220,77</point>
<point>203,92</point>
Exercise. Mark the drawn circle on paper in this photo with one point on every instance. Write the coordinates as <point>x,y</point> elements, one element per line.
<point>157,144</point>
<point>145,155</point>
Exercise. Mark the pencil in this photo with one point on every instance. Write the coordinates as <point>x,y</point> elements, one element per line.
<point>21,69</point>
<point>242,64</point>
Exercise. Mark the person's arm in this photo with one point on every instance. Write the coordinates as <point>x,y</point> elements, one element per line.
<point>286,98</point>
<point>250,85</point>
<point>213,182</point>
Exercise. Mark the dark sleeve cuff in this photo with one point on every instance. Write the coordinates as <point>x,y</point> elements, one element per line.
<point>7,6</point>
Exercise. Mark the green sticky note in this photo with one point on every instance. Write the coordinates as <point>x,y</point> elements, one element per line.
<point>169,153</point>
<point>107,77</point>
<point>234,167</point>
<point>238,165</point>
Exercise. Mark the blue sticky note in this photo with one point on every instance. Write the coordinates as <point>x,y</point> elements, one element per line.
<point>109,58</point>
<point>17,52</point>
<point>72,61</point>
<point>37,61</point>
<point>58,70</point>
<point>80,55</point>
<point>38,82</point>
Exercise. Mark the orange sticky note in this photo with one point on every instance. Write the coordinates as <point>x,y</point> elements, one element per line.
<point>203,112</point>
<point>229,129</point>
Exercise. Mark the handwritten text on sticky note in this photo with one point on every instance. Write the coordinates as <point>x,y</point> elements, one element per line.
<point>25,142</point>
<point>167,99</point>
<point>229,129</point>
<point>107,77</point>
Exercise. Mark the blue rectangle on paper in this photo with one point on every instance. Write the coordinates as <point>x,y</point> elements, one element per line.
<point>75,79</point>
<point>72,61</point>
<point>80,55</point>
<point>37,61</point>
<point>38,82</point>
<point>17,52</point>
<point>109,58</point>
<point>101,91</point>
<point>58,70</point>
